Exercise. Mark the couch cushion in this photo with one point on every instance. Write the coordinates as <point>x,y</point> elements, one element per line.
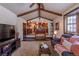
<point>67,35</point>
<point>74,39</point>
<point>63,38</point>
<point>67,44</point>
<point>60,48</point>
<point>75,49</point>
<point>75,36</point>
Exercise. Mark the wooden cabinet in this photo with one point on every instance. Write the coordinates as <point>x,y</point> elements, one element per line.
<point>24,28</point>
<point>7,47</point>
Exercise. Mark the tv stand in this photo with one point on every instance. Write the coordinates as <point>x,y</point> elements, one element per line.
<point>9,46</point>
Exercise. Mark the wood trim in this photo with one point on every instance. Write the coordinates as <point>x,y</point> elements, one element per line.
<point>38,17</point>
<point>25,13</point>
<point>51,12</point>
<point>32,18</point>
<point>42,5</point>
<point>39,5</point>
<point>64,25</point>
<point>46,18</point>
<point>71,11</point>
<point>39,9</point>
<point>77,25</point>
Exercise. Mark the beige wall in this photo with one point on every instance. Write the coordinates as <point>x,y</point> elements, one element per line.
<point>71,8</point>
<point>60,21</point>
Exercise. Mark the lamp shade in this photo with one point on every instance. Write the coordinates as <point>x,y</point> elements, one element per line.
<point>55,32</point>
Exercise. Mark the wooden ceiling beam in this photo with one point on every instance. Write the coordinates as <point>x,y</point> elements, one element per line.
<point>32,18</point>
<point>39,5</point>
<point>51,12</point>
<point>38,17</point>
<point>46,18</point>
<point>42,5</point>
<point>25,13</point>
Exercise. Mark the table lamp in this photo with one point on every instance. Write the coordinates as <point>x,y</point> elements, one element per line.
<point>55,33</point>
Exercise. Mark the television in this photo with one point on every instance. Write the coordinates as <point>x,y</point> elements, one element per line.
<point>7,32</point>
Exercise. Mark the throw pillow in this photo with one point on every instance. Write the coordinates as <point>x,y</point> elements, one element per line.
<point>67,45</point>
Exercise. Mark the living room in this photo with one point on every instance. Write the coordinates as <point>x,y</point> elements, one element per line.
<point>36,24</point>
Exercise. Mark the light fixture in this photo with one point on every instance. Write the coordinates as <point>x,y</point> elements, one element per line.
<point>55,33</point>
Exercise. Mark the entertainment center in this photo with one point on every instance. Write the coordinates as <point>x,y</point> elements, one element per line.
<point>9,46</point>
<point>8,42</point>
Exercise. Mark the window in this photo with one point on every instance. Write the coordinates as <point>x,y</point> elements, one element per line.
<point>71,24</point>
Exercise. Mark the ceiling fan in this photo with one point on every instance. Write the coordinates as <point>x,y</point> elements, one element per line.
<point>38,4</point>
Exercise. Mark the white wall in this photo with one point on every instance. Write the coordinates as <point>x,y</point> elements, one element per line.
<point>60,21</point>
<point>7,17</point>
<point>19,26</point>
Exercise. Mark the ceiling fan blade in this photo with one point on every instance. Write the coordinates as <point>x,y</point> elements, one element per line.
<point>32,5</point>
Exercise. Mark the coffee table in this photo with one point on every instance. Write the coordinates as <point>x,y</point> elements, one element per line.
<point>44,51</point>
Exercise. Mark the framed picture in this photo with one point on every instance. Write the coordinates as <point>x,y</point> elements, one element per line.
<point>57,26</point>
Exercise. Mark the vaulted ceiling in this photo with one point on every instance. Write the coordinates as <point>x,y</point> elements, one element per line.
<point>50,11</point>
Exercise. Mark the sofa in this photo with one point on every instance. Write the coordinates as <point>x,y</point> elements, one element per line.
<point>69,45</point>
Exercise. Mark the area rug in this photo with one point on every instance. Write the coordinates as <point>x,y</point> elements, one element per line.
<point>31,48</point>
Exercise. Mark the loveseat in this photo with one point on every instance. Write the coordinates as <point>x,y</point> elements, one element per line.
<point>68,44</point>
